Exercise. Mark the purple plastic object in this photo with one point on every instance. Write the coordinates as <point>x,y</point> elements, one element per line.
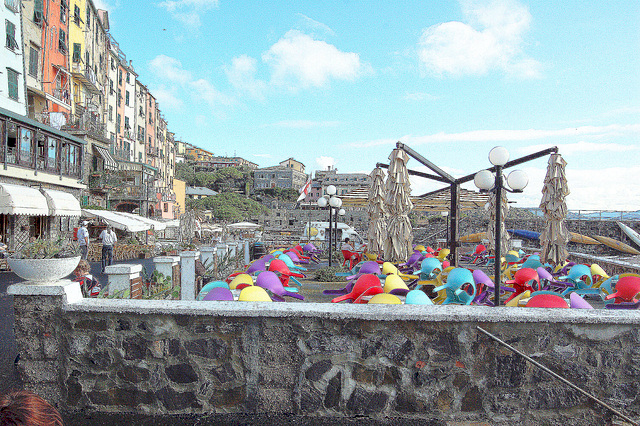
<point>543,274</point>
<point>219,293</point>
<point>258,265</point>
<point>293,256</point>
<point>481,278</point>
<point>623,305</point>
<point>267,257</point>
<point>310,248</point>
<point>577,302</point>
<point>270,281</point>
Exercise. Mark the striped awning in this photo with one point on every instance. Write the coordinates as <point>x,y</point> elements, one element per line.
<point>61,203</point>
<point>19,199</point>
<point>109,161</point>
<point>440,201</point>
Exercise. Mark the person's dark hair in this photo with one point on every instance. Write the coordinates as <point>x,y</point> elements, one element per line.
<point>24,408</point>
<point>346,240</point>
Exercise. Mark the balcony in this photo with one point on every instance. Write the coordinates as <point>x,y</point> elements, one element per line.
<point>103,182</point>
<point>153,152</point>
<point>86,123</point>
<point>122,154</point>
<point>87,76</point>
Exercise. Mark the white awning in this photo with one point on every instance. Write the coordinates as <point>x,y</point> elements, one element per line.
<point>117,220</point>
<point>61,203</point>
<point>156,225</point>
<point>109,162</point>
<point>245,226</point>
<point>19,199</point>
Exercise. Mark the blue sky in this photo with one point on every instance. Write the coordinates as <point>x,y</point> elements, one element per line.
<point>339,82</point>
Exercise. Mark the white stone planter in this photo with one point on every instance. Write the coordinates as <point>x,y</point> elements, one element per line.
<point>43,270</point>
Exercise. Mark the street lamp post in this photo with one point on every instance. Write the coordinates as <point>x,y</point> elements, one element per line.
<point>516,182</point>
<point>330,201</point>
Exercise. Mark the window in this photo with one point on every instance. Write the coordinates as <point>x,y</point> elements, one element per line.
<point>128,77</point>
<point>63,11</point>
<point>62,41</point>
<point>76,53</point>
<point>12,77</point>
<point>76,15</point>
<point>88,17</point>
<point>51,152</point>
<point>118,120</point>
<point>25,142</point>
<point>86,59</point>
<point>33,61</point>
<point>126,123</point>
<point>126,97</point>
<point>11,36</point>
<point>166,207</point>
<point>38,11</point>
<point>110,113</point>
<point>120,77</point>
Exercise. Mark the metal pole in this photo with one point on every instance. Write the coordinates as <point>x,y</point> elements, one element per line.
<point>497,267</point>
<point>335,221</point>
<point>330,232</point>
<point>557,376</point>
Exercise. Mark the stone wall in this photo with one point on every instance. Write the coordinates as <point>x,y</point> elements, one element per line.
<point>407,362</point>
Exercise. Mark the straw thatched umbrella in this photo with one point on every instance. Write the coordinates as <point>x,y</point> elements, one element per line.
<point>555,237</point>
<point>397,245</point>
<point>491,229</point>
<point>376,210</point>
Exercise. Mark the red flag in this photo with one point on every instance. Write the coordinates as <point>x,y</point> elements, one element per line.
<point>304,190</point>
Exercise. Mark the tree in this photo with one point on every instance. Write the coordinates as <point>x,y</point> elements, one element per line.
<point>229,206</point>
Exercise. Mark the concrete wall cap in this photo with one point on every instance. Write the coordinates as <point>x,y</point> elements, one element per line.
<point>67,288</point>
<point>189,253</point>
<point>123,268</point>
<point>166,259</point>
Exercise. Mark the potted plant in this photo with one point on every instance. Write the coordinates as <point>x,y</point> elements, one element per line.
<point>44,260</point>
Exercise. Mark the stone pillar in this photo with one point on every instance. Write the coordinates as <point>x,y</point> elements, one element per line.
<point>221,250</point>
<point>39,335</point>
<point>188,274</point>
<point>165,264</point>
<point>247,255</point>
<point>120,276</point>
<point>207,255</point>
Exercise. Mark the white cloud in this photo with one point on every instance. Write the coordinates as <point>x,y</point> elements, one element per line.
<point>299,61</point>
<point>242,76</point>
<point>166,97</point>
<point>188,12</point>
<point>177,80</point>
<point>582,147</point>
<point>314,25</point>
<point>510,135</point>
<point>492,39</point>
<point>324,162</point>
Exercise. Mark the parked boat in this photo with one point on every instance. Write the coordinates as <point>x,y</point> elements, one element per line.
<point>474,238</point>
<point>523,233</point>
<point>618,245</point>
<point>633,235</point>
<point>582,239</point>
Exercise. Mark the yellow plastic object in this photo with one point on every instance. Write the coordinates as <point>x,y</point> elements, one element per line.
<point>515,301</point>
<point>371,256</point>
<point>254,294</point>
<point>597,270</point>
<point>240,279</point>
<point>385,299</point>
<point>389,268</point>
<point>440,280</point>
<point>559,267</point>
<point>419,248</point>
<point>443,253</point>
<point>393,282</point>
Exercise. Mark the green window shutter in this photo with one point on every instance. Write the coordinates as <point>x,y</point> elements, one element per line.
<point>38,11</point>
<point>76,52</point>
<point>33,61</point>
<point>62,41</point>
<point>12,77</point>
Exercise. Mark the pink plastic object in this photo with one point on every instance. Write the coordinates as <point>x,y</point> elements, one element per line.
<point>270,281</point>
<point>547,301</point>
<point>577,302</point>
<point>219,293</point>
<point>479,249</point>
<point>362,284</point>
<point>371,291</point>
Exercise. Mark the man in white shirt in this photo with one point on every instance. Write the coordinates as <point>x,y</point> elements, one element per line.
<point>83,240</point>
<point>108,238</point>
<point>347,245</point>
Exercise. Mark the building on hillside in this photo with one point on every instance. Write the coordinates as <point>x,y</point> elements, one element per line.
<point>285,175</point>
<point>293,164</point>
<point>181,151</point>
<point>12,67</point>
<point>197,192</point>
<point>222,162</point>
<point>197,154</point>
<point>37,155</point>
<point>344,183</point>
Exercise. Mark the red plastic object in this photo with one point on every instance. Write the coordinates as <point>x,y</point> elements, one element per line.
<point>626,290</point>
<point>352,257</point>
<point>363,283</point>
<point>547,301</point>
<point>371,291</point>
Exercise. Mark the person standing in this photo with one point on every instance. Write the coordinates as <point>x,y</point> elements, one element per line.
<point>83,240</point>
<point>108,237</point>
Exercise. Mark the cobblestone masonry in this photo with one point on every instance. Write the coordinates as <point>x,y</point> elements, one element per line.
<point>112,359</point>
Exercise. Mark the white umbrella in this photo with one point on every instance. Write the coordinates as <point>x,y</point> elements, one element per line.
<point>491,229</point>
<point>397,246</point>
<point>376,210</point>
<point>555,237</point>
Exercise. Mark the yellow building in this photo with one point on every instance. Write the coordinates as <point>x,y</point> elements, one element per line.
<point>179,188</point>
<point>198,154</point>
<point>293,164</point>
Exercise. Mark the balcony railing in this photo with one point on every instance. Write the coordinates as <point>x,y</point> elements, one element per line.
<point>87,76</point>
<point>90,125</point>
<point>121,153</point>
<point>14,5</point>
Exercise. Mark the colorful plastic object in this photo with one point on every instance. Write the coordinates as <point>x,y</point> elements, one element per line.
<point>547,301</point>
<point>459,287</point>
<point>385,299</point>
<point>417,297</point>
<point>626,290</point>
<point>577,302</point>
<point>443,253</point>
<point>219,293</point>
<point>270,281</point>
<point>254,294</point>
<point>361,285</point>
<point>210,286</point>
<point>393,284</point>
<point>240,281</point>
